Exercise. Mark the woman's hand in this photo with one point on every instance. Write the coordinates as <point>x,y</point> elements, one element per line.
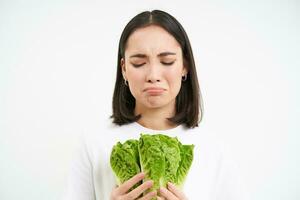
<point>172,193</point>
<point>120,193</point>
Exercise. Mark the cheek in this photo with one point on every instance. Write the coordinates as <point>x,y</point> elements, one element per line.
<point>134,74</point>
<point>174,80</point>
<point>136,80</point>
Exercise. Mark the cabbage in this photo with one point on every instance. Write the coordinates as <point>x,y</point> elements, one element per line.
<point>163,159</point>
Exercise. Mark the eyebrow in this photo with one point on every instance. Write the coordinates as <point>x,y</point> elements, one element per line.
<point>159,55</point>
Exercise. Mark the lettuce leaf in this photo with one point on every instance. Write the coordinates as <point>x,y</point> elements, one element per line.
<point>163,159</point>
<point>124,160</point>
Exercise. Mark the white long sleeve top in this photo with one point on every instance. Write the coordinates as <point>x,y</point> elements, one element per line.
<point>213,175</point>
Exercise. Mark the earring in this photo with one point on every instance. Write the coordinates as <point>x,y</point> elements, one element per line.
<point>183,78</point>
<point>125,82</point>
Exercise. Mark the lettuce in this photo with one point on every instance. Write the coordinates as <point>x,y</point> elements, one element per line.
<point>163,159</point>
<point>125,160</point>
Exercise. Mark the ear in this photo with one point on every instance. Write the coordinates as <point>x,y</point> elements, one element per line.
<point>123,69</point>
<point>184,69</point>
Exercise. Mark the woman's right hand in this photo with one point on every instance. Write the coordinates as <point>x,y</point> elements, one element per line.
<point>121,192</point>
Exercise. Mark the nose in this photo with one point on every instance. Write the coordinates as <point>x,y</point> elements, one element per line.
<point>153,74</point>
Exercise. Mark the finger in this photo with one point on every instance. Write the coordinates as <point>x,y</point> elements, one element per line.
<point>160,198</point>
<point>139,190</point>
<point>149,196</point>
<point>167,194</point>
<point>130,183</point>
<point>177,192</point>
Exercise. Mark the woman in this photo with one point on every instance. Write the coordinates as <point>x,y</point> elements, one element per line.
<point>156,91</point>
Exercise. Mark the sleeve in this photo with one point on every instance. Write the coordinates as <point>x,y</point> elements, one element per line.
<point>230,183</point>
<point>80,184</point>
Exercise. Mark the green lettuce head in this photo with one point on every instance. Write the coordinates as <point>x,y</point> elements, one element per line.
<point>163,159</point>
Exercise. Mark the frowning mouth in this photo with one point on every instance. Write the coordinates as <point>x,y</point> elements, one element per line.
<point>154,90</point>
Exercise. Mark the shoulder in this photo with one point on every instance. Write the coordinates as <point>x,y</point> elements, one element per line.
<point>106,132</point>
<point>203,137</point>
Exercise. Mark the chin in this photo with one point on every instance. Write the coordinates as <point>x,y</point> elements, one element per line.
<point>155,104</point>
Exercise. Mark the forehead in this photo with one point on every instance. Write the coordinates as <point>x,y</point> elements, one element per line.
<point>151,40</point>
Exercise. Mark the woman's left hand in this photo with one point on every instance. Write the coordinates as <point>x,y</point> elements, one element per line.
<point>172,193</point>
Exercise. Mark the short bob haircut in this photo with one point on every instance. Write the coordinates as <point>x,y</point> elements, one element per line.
<point>189,98</point>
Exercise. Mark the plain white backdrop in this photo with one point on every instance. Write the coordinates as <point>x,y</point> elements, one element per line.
<point>58,66</point>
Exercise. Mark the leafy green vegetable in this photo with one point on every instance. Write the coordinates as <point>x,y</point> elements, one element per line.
<point>124,160</point>
<point>163,159</point>
<point>186,155</point>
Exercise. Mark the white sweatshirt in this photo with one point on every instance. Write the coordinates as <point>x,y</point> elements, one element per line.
<point>213,175</point>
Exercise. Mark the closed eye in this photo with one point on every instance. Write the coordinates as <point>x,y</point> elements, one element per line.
<point>138,65</point>
<point>170,63</point>
<point>164,63</point>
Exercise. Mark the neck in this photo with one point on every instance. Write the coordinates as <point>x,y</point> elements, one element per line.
<point>156,118</point>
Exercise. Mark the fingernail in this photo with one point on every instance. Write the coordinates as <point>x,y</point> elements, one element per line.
<point>149,183</point>
<point>142,174</point>
<point>170,184</point>
<point>154,192</point>
<point>162,189</point>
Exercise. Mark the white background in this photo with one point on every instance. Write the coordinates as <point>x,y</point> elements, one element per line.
<point>57,71</point>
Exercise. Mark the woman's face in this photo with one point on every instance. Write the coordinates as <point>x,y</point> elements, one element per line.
<point>153,66</point>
